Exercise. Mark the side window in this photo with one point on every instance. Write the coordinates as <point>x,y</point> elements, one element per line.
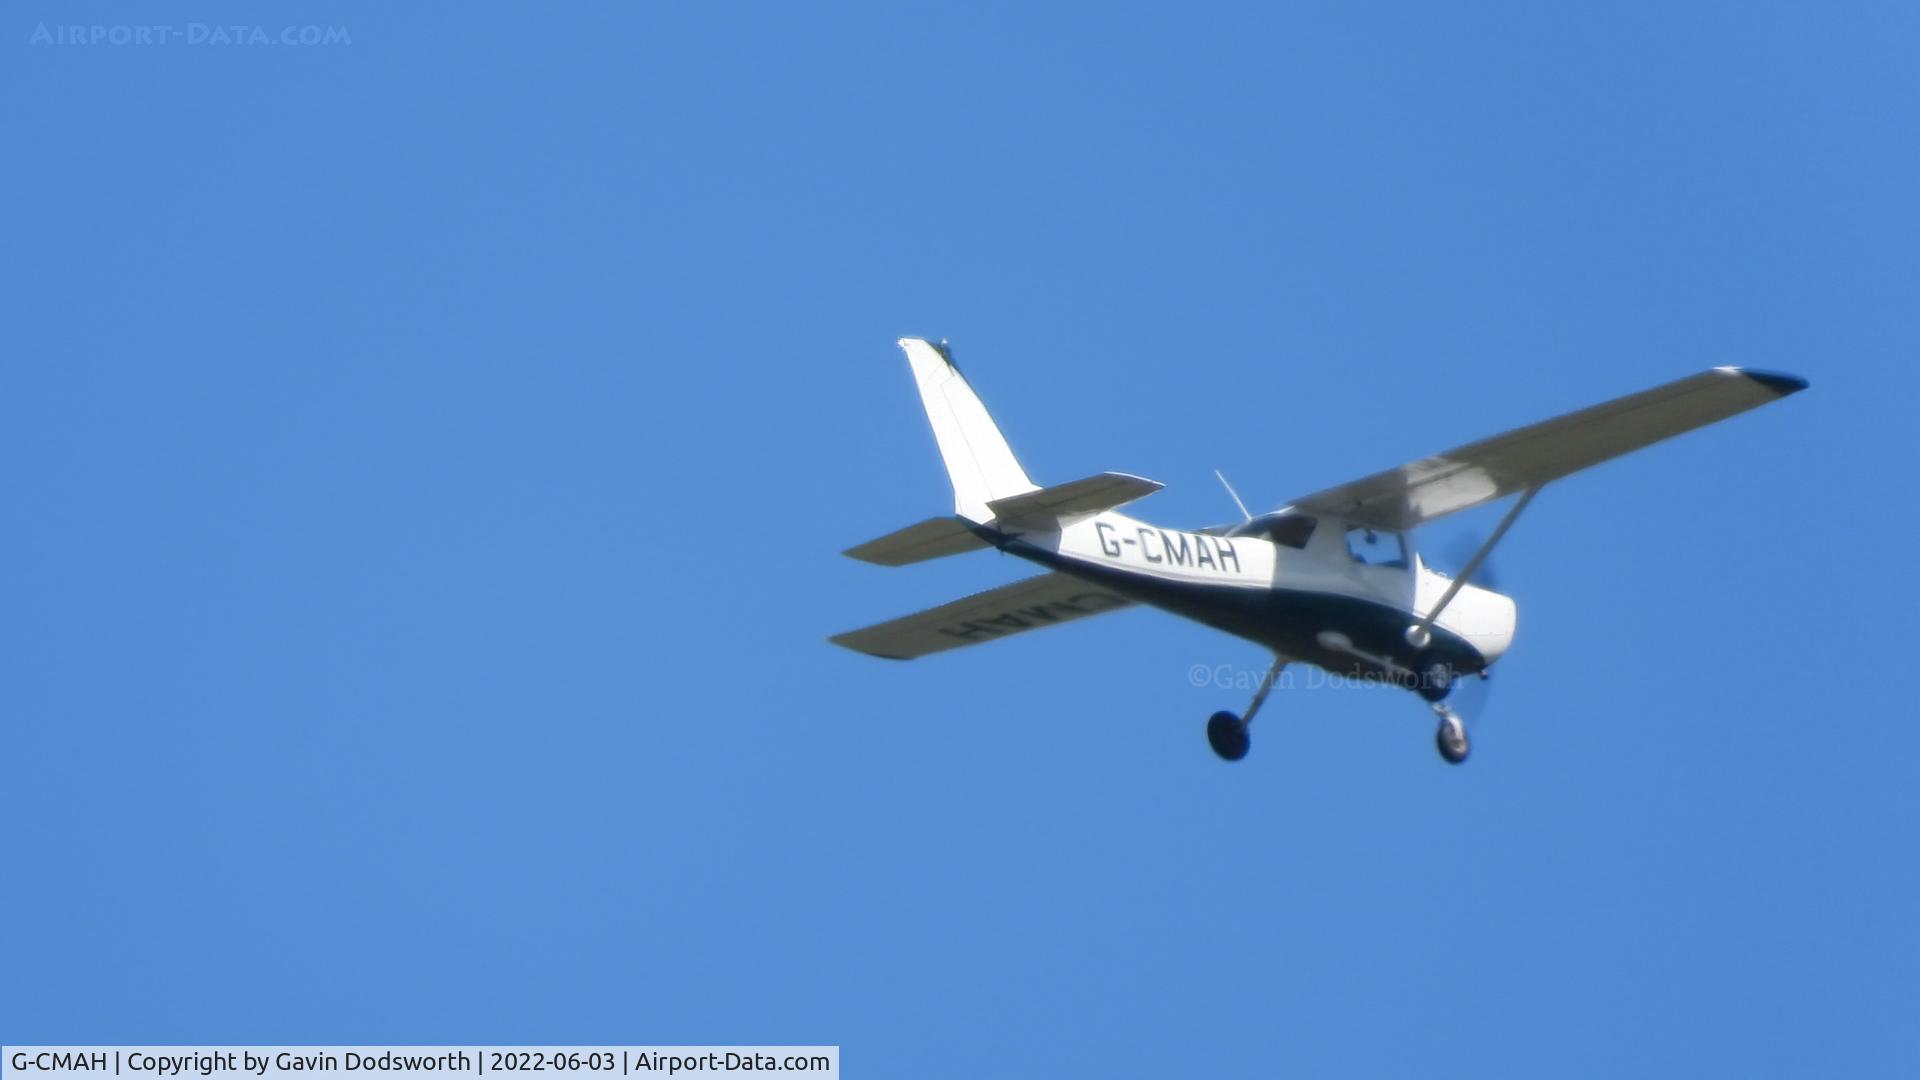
<point>1294,530</point>
<point>1376,548</point>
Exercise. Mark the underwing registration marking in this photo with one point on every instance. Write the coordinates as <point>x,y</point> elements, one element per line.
<point>1089,602</point>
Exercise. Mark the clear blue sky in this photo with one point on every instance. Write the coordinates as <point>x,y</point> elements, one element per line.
<point>427,458</point>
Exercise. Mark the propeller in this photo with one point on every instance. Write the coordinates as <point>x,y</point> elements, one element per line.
<point>1470,698</point>
<point>1460,550</point>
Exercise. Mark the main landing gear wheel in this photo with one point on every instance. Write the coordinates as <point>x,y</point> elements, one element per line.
<point>1227,733</point>
<point>1228,736</point>
<point>1451,739</point>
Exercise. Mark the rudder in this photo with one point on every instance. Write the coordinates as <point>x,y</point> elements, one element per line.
<point>979,462</point>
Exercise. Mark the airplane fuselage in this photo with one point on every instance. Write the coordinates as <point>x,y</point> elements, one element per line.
<point>1309,599</point>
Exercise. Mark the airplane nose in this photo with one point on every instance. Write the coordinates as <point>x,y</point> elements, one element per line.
<point>1486,619</point>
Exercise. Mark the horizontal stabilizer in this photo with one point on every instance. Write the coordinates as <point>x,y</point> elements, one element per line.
<point>1049,507</point>
<point>931,539</point>
<point>1047,600</point>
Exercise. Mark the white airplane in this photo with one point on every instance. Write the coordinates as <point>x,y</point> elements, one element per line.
<point>1331,580</point>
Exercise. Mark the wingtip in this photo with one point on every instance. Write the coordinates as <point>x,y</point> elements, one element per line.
<point>841,640</point>
<point>1777,381</point>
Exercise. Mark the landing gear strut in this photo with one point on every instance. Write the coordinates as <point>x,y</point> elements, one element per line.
<point>1227,733</point>
<point>1433,679</point>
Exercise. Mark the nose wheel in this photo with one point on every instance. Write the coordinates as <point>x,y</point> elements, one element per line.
<point>1227,733</point>
<point>1451,738</point>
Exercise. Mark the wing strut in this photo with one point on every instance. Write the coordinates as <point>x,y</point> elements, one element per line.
<point>1418,634</point>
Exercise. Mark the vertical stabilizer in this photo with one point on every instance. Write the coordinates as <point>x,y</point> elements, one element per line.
<point>979,462</point>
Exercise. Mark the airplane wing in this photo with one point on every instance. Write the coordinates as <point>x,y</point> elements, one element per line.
<point>1528,457</point>
<point>1047,600</point>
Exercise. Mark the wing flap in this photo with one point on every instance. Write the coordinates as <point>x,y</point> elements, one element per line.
<point>1047,600</point>
<point>1528,457</point>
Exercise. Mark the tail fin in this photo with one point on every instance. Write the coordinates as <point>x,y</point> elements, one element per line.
<point>979,462</point>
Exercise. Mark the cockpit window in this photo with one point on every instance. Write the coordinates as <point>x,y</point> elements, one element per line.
<point>1376,548</point>
<point>1293,530</point>
<point>1284,527</point>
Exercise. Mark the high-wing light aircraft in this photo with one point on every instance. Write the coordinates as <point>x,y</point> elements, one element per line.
<point>1332,579</point>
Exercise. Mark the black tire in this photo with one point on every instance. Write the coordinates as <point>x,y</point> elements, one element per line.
<point>1453,752</point>
<point>1227,734</point>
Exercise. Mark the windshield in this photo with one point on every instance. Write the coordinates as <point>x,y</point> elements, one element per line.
<point>1288,530</point>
